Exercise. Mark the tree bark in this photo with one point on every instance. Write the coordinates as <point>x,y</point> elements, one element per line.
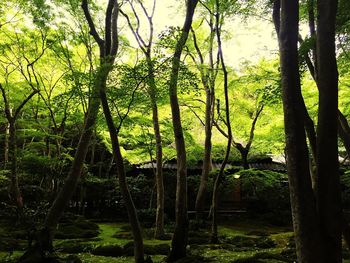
<point>6,144</point>
<point>146,48</point>
<point>179,240</point>
<point>208,78</point>
<point>200,199</point>
<point>302,199</point>
<point>129,204</point>
<point>159,231</point>
<point>328,184</point>
<point>14,188</point>
<point>107,56</point>
<point>12,117</point>
<point>71,181</point>
<point>215,197</point>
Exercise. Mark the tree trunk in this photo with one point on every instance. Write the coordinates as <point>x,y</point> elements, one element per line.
<point>301,193</point>
<point>152,91</point>
<point>207,154</point>
<point>159,231</point>
<point>71,181</point>
<point>328,185</point>
<point>6,144</point>
<point>215,197</point>
<point>129,204</point>
<point>179,240</point>
<point>14,188</point>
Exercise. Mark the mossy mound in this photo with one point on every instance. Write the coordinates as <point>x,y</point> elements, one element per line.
<point>11,244</point>
<point>108,251</point>
<point>241,241</point>
<point>79,228</point>
<point>257,233</point>
<point>198,237</point>
<point>158,249</point>
<point>123,235</point>
<point>74,246</point>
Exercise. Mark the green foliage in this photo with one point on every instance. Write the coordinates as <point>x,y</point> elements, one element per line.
<point>265,192</point>
<point>4,178</point>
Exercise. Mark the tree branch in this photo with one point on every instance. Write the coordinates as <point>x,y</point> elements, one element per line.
<point>91,24</point>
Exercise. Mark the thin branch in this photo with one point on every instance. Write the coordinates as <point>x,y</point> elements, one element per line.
<point>252,129</point>
<point>138,38</point>
<point>7,105</point>
<point>108,26</point>
<point>24,103</point>
<point>194,112</point>
<point>138,23</point>
<point>92,27</point>
<point>115,38</point>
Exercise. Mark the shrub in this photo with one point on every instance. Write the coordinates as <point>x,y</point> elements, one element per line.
<point>265,192</point>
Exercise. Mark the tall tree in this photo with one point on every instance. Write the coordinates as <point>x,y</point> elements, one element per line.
<point>208,72</point>
<point>303,204</point>
<point>325,213</point>
<point>112,35</point>
<point>179,240</point>
<point>214,204</point>
<point>19,57</point>
<point>12,116</point>
<point>108,50</point>
<point>328,185</point>
<point>146,48</point>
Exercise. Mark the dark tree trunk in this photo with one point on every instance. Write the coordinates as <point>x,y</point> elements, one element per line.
<point>129,204</point>
<point>200,199</point>
<point>6,144</point>
<point>244,155</point>
<point>108,50</point>
<point>159,231</point>
<point>208,78</point>
<point>71,181</point>
<point>15,191</point>
<point>215,197</point>
<point>301,193</point>
<point>328,185</point>
<point>179,240</point>
<point>12,117</point>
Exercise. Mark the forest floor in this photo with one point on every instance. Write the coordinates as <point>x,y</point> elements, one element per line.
<point>241,241</point>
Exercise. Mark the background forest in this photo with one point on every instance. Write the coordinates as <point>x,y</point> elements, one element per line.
<point>153,111</point>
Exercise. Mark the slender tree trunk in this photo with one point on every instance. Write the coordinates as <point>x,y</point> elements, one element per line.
<point>129,204</point>
<point>328,184</point>
<point>159,231</point>
<point>215,197</point>
<point>6,144</point>
<point>179,240</point>
<point>14,192</point>
<point>301,193</point>
<point>71,181</point>
<point>244,155</point>
<point>207,154</point>
<point>208,77</point>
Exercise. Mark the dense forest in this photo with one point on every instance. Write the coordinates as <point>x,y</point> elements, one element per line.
<point>174,131</point>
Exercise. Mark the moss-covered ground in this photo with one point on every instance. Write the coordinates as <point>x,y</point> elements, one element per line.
<point>241,241</point>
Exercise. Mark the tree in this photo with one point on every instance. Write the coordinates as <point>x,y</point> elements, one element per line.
<point>318,233</point>
<point>328,185</point>
<point>108,50</point>
<point>179,240</point>
<point>214,204</point>
<point>146,48</point>
<point>17,62</point>
<point>208,72</point>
